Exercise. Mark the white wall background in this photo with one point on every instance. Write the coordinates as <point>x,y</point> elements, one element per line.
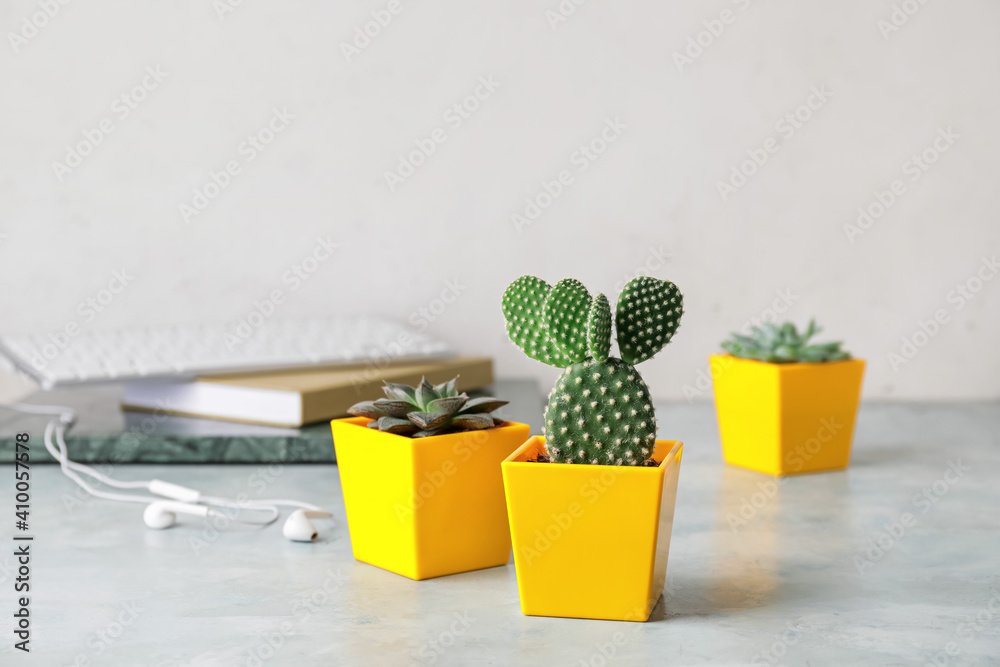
<point>653,191</point>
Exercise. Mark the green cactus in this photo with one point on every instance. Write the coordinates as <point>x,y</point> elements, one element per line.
<point>600,410</point>
<point>783,345</point>
<point>522,308</point>
<point>599,328</point>
<point>649,312</point>
<point>566,306</point>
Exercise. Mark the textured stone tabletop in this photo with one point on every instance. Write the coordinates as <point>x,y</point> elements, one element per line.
<point>814,570</point>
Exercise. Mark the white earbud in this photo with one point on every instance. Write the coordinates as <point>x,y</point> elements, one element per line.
<point>160,514</point>
<point>163,513</point>
<point>299,528</point>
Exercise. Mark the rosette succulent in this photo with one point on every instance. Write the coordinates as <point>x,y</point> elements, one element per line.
<point>783,345</point>
<point>425,410</point>
<point>600,410</point>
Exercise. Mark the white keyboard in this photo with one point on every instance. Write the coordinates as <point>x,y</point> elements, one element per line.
<point>189,351</point>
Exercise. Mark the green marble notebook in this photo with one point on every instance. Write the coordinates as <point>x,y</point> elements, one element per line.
<point>104,433</point>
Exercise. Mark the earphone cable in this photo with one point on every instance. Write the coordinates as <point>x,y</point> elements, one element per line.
<point>67,416</point>
<point>56,429</point>
<point>61,456</point>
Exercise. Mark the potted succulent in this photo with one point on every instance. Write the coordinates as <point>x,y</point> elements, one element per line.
<point>786,406</point>
<point>421,479</point>
<point>591,503</point>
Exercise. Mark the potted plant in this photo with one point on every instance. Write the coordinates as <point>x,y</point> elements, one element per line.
<point>421,480</point>
<point>786,406</point>
<point>591,503</point>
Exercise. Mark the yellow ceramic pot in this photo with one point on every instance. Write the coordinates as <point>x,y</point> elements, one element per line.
<point>426,507</point>
<point>590,541</point>
<point>784,419</point>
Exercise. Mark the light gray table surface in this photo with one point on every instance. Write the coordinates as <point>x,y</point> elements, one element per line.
<point>798,584</point>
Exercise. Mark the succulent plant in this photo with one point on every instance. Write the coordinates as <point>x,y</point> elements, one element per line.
<point>783,345</point>
<point>428,409</point>
<point>600,410</point>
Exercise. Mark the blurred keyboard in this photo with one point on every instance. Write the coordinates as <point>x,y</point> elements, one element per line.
<point>189,351</point>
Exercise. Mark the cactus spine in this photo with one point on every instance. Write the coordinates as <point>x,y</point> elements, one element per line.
<point>600,410</point>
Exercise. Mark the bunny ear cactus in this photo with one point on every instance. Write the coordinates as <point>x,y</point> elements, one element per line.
<point>649,312</point>
<point>600,410</point>
<point>523,302</point>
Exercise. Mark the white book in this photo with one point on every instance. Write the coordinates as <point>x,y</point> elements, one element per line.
<point>294,398</point>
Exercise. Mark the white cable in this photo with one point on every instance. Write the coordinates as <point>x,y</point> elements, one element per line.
<point>263,502</point>
<point>248,506</point>
<point>66,417</point>
<point>61,456</point>
<point>87,470</point>
<point>31,408</point>
<point>60,452</point>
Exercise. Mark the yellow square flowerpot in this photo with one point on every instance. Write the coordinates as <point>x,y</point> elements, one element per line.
<point>590,541</point>
<point>784,419</point>
<point>426,507</point>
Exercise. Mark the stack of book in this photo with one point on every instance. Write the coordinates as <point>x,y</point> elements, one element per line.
<point>296,398</point>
